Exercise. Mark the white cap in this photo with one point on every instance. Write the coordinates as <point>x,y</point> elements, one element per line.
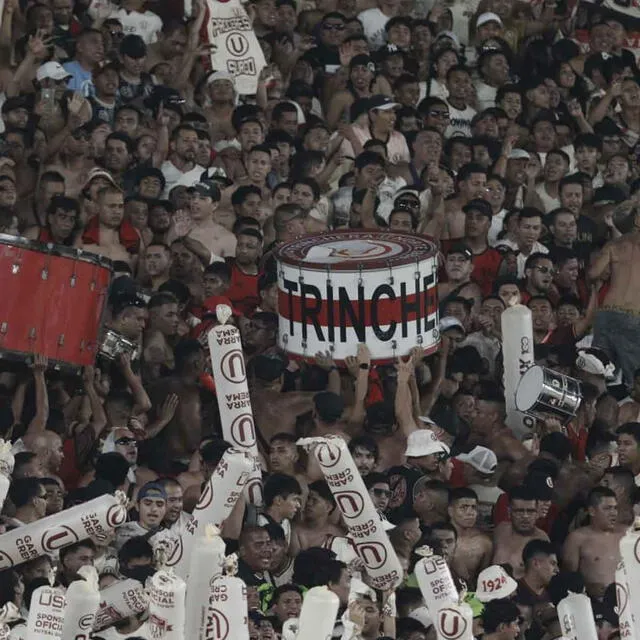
<point>424,442</point>
<point>450,322</point>
<point>53,70</point>
<point>483,18</point>
<point>519,154</point>
<point>494,583</point>
<point>481,459</point>
<point>221,75</point>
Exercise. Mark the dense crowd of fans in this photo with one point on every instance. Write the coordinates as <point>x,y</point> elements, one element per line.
<point>507,131</point>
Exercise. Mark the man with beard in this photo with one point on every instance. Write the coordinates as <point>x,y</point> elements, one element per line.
<point>594,549</point>
<point>175,518</point>
<point>510,538</point>
<point>159,220</point>
<point>474,548</point>
<point>181,167</point>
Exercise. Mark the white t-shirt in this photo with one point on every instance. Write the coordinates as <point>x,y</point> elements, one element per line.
<point>497,222</point>
<point>486,95</point>
<point>373,23</point>
<point>146,25</point>
<point>460,122</point>
<point>549,203</point>
<point>175,177</point>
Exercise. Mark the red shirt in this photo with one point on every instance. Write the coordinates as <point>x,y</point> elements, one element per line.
<point>243,291</point>
<point>485,267</point>
<point>501,514</point>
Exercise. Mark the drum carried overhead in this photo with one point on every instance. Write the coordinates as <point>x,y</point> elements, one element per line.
<point>341,288</point>
<point>52,302</point>
<point>543,392</point>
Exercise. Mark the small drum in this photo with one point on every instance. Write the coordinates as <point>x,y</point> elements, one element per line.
<point>52,302</point>
<point>543,392</point>
<point>345,287</point>
<point>114,344</point>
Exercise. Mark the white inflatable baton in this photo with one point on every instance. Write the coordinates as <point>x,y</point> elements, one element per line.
<point>119,601</point>
<point>46,614</point>
<point>318,614</point>
<point>8,613</point>
<point>454,622</point>
<point>630,555</point>
<point>6,469</point>
<point>626,627</point>
<point>219,497</point>
<point>576,617</point>
<point>94,518</point>
<point>435,581</point>
<point>207,559</point>
<point>166,605</point>
<point>365,527</point>
<point>232,392</point>
<point>517,355</point>
<point>227,612</point>
<point>83,600</point>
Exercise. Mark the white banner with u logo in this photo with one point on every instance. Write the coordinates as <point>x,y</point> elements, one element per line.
<point>237,49</point>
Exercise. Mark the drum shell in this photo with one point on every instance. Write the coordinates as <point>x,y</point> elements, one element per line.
<point>390,304</point>
<point>114,344</point>
<point>558,395</point>
<point>53,301</point>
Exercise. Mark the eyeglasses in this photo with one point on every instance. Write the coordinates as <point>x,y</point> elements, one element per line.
<point>545,270</point>
<point>125,441</point>
<point>381,493</point>
<point>333,27</point>
<point>439,114</point>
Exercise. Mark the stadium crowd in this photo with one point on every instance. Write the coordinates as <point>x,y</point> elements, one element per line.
<point>506,130</point>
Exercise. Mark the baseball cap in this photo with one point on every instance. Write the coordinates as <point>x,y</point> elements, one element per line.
<point>495,584</point>
<point>362,60</point>
<point>206,189</point>
<point>387,51</point>
<point>221,75</point>
<point>133,46</point>
<point>17,102</point>
<point>479,205</point>
<point>152,490</point>
<point>519,154</point>
<point>424,442</point>
<point>540,483</point>
<point>483,18</point>
<point>382,103</point>
<point>604,613</point>
<point>461,248</point>
<point>481,459</point>
<point>608,194</point>
<point>450,322</point>
<point>97,172</point>
<point>52,70</point>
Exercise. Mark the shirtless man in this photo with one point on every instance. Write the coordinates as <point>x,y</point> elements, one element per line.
<point>110,206</point>
<point>472,182</point>
<point>510,538</point>
<point>474,549</point>
<point>316,528</point>
<point>194,417</point>
<point>594,550</point>
<point>630,411</point>
<point>204,200</point>
<point>617,323</point>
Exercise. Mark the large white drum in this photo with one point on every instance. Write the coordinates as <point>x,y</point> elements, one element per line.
<point>345,287</point>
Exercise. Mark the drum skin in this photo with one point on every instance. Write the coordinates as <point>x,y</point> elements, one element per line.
<point>52,302</point>
<point>345,287</point>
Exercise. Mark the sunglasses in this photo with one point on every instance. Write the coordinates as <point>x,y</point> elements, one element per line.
<point>126,441</point>
<point>333,27</point>
<point>381,493</point>
<point>545,270</point>
<point>439,114</point>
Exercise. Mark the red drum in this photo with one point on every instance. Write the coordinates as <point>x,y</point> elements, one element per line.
<point>52,302</point>
<point>345,287</point>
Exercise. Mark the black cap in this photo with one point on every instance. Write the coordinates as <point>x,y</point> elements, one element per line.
<point>17,102</point>
<point>603,613</point>
<point>608,194</point>
<point>461,248</point>
<point>479,205</point>
<point>133,46</point>
<point>541,483</point>
<point>207,189</point>
<point>362,60</point>
<point>383,103</point>
<point>606,127</point>
<point>387,51</point>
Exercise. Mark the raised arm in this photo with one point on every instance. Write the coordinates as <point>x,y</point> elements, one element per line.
<point>39,421</point>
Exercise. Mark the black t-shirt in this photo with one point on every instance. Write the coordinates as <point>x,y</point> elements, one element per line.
<point>401,482</point>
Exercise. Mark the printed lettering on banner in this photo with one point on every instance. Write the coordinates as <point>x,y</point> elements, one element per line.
<point>237,49</point>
